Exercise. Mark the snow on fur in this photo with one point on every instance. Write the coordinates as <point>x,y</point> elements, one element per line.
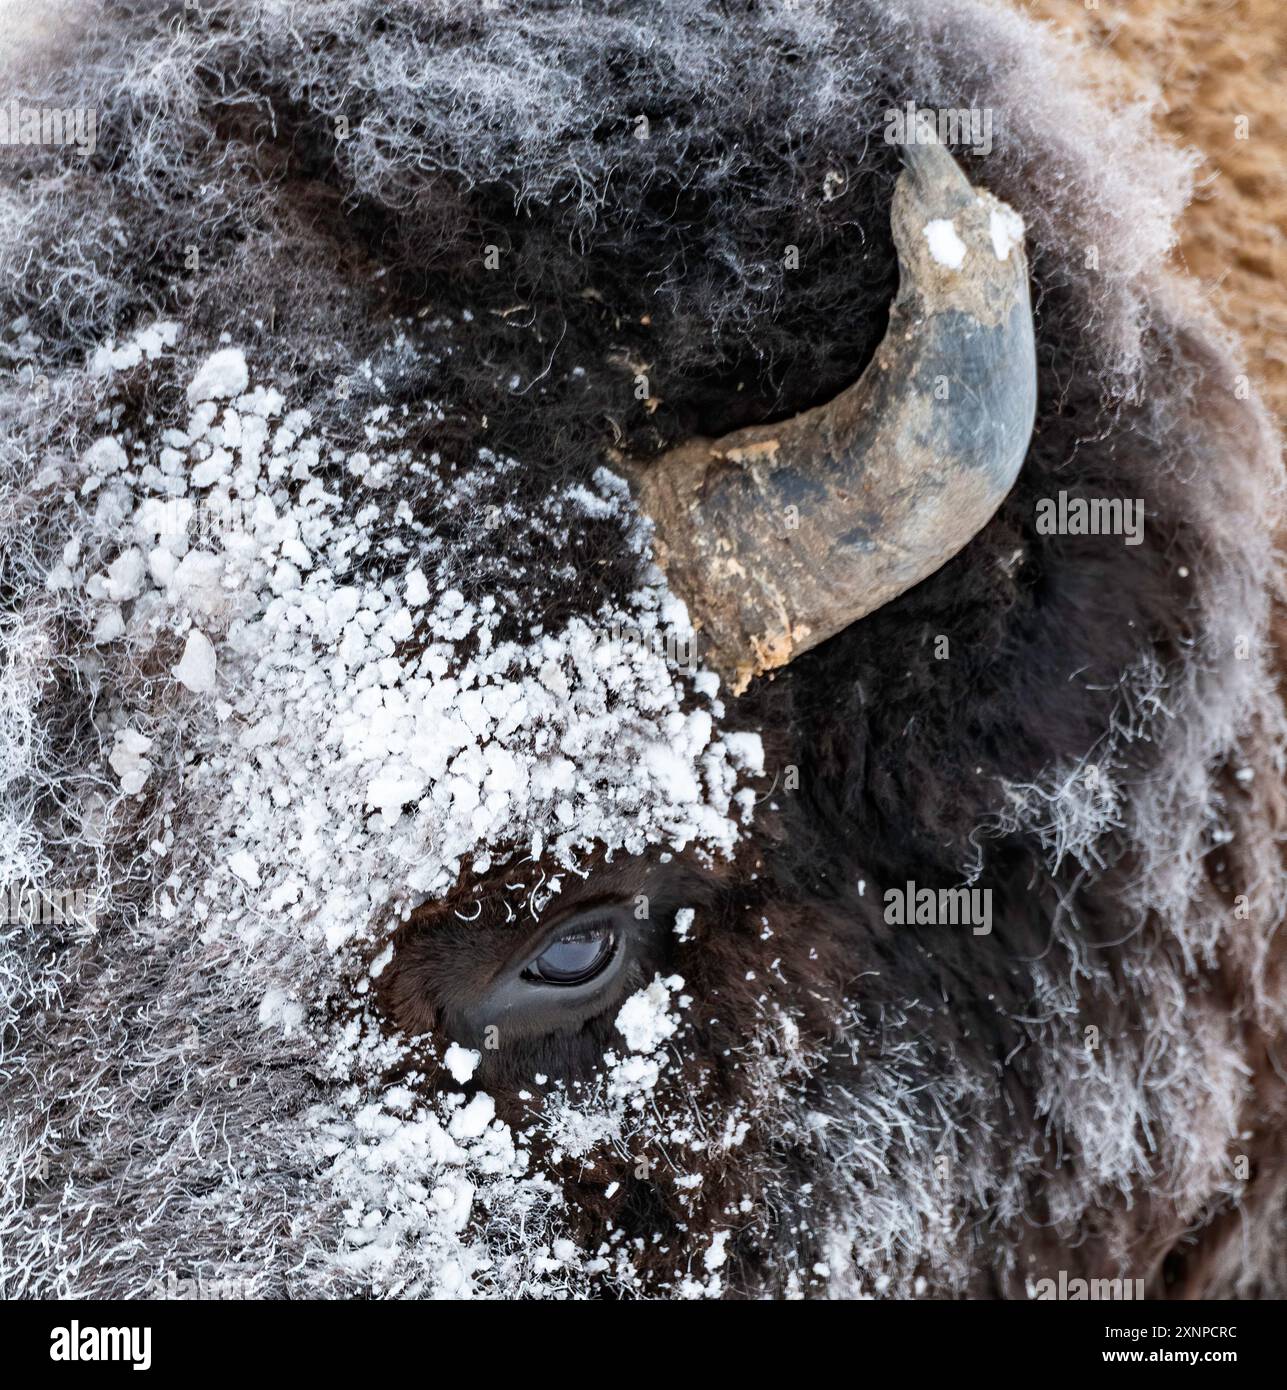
<point>414,761</point>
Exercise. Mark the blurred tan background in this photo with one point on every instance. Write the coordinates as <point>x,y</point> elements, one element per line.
<point>1203,64</point>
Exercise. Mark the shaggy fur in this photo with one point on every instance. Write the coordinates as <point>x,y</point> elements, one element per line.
<point>1103,747</point>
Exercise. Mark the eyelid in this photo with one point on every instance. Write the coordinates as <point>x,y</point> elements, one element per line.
<point>576,925</point>
<point>597,926</point>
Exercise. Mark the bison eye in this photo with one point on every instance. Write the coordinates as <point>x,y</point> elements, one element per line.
<point>574,959</point>
<point>555,983</point>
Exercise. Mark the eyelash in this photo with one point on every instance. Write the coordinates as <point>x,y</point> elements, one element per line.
<point>598,926</point>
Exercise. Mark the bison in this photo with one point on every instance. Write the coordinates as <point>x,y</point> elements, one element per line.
<point>637,663</point>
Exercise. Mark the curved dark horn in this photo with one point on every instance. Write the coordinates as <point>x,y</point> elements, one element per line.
<point>778,536</point>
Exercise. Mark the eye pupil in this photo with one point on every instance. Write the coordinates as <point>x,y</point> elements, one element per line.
<point>573,960</point>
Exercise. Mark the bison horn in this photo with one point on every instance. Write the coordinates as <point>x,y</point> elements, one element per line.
<point>778,536</point>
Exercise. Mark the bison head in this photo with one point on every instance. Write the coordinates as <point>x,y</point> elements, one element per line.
<point>551,744</point>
